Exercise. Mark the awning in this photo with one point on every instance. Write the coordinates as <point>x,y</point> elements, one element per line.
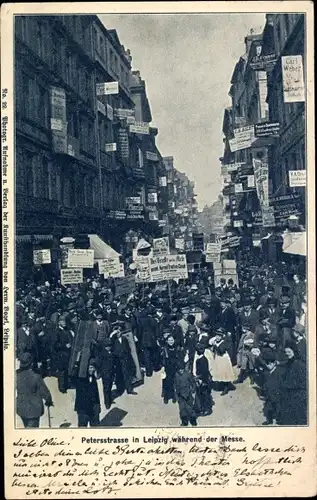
<point>298,245</point>
<point>101,248</point>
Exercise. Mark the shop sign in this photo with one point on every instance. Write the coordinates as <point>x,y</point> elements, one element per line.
<point>293,79</point>
<point>107,88</point>
<point>162,223</point>
<point>58,120</point>
<point>109,112</point>
<point>101,107</point>
<point>238,188</point>
<point>42,256</point>
<point>213,251</point>
<point>263,62</point>
<point>122,113</point>
<point>267,129</point>
<point>151,156</point>
<point>268,217</point>
<point>243,138</point>
<point>111,146</point>
<point>71,276</point>
<point>152,197</point>
<point>162,181</point>
<point>297,178</point>
<point>140,128</point>
<point>123,143</point>
<point>238,223</point>
<point>133,200</point>
<point>251,182</point>
<point>58,125</point>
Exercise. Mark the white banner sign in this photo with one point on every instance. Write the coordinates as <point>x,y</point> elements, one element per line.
<point>251,182</point>
<point>152,197</point>
<point>42,257</point>
<point>140,128</point>
<point>243,138</point>
<point>268,219</point>
<point>297,178</point>
<point>71,276</point>
<point>168,267</point>
<point>161,246</point>
<point>163,181</point>
<point>109,267</point>
<point>213,251</point>
<point>58,125</point>
<point>111,146</point>
<point>293,79</point>
<point>78,257</point>
<point>180,243</point>
<point>107,88</point>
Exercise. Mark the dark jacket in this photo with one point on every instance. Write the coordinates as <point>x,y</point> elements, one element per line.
<point>31,390</point>
<point>62,353</point>
<point>149,331</point>
<point>202,370</point>
<point>87,395</point>
<point>228,320</point>
<point>250,321</point>
<point>26,343</point>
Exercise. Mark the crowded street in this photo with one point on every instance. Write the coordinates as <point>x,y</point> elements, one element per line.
<point>160,230</point>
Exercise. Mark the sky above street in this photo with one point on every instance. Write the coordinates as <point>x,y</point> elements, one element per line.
<point>187,61</point>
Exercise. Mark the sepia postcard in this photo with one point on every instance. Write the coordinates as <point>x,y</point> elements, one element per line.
<point>158,244</point>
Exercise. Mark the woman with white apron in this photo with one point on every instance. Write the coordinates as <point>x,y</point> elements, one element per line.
<point>221,366</point>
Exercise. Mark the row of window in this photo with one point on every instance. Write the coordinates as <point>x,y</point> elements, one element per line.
<point>111,58</point>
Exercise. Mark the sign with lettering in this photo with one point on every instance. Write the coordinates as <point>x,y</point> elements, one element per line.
<point>58,125</point>
<point>123,143</point>
<point>168,267</point>
<point>162,181</point>
<point>293,78</point>
<point>71,276</point>
<point>140,128</point>
<point>143,273</point>
<point>124,286</point>
<point>213,251</point>
<point>263,62</point>
<point>111,146</point>
<point>243,138</point>
<point>109,267</point>
<point>107,88</point>
<point>251,181</point>
<point>152,197</point>
<point>267,129</point>
<point>109,112</point>
<point>42,256</point>
<point>78,257</point>
<point>297,178</point>
<point>268,218</point>
<point>151,156</point>
<point>101,107</point>
<point>58,120</point>
<point>161,246</point>
<point>122,113</point>
<point>133,200</point>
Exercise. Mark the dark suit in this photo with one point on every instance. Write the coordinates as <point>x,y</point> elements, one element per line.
<point>62,356</point>
<point>204,385</point>
<point>285,323</point>
<point>228,321</point>
<point>87,403</point>
<point>27,342</point>
<point>123,365</point>
<point>31,390</point>
<point>149,335</point>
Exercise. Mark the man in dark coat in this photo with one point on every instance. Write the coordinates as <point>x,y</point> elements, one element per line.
<point>124,367</point>
<point>285,322</point>
<point>31,391</point>
<point>149,336</point>
<point>176,331</point>
<point>203,379</point>
<point>27,341</point>
<point>191,340</point>
<point>185,389</point>
<point>228,321</point>
<point>105,368</point>
<point>87,403</point>
<point>64,340</point>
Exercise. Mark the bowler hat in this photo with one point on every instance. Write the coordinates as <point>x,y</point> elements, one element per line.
<point>285,299</point>
<point>200,348</point>
<point>26,360</point>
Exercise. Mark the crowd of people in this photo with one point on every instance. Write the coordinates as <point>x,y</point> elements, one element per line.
<point>201,339</point>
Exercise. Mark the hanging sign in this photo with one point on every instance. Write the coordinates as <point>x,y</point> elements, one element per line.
<point>152,197</point>
<point>268,218</point>
<point>140,128</point>
<point>71,276</point>
<point>109,112</point>
<point>123,114</point>
<point>78,257</point>
<point>123,143</point>
<point>101,107</point>
<point>151,156</point>
<point>243,138</point>
<point>251,181</point>
<point>42,256</point>
<point>263,63</point>
<point>238,188</point>
<point>107,88</point>
<point>297,178</point>
<point>162,181</point>
<point>293,79</point>
<point>161,246</point>
<point>267,129</point>
<point>111,146</point>
<point>238,223</point>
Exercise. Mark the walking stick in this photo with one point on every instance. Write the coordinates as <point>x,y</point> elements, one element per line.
<point>49,416</point>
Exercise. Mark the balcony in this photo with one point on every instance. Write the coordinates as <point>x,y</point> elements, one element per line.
<point>36,205</point>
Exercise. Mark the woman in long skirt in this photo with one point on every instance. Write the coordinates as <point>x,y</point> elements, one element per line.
<point>222,371</point>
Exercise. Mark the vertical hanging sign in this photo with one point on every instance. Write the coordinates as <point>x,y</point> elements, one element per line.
<point>293,79</point>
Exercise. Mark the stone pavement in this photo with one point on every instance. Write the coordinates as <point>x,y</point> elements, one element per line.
<point>239,408</point>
